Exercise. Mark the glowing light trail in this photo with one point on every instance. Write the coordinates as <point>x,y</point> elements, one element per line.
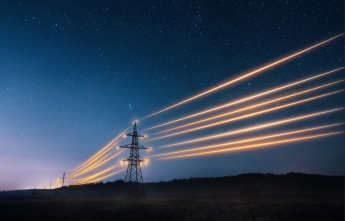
<point>91,181</point>
<point>95,160</point>
<point>246,98</point>
<point>249,140</point>
<point>248,108</point>
<point>275,123</point>
<point>90,166</point>
<point>98,165</point>
<point>253,146</point>
<point>247,75</point>
<point>100,152</point>
<point>247,115</point>
<point>109,168</point>
<point>54,182</point>
<point>97,174</point>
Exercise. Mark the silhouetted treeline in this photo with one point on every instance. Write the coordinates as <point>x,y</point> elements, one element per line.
<point>251,185</point>
<point>267,184</point>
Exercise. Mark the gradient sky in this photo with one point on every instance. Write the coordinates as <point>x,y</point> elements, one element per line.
<point>75,74</point>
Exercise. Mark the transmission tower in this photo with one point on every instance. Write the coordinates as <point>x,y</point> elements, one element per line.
<point>134,180</point>
<point>63,178</point>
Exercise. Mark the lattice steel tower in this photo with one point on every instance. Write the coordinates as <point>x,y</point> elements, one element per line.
<point>134,179</point>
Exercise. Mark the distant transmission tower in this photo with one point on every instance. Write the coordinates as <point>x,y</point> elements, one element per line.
<point>63,178</point>
<point>134,180</point>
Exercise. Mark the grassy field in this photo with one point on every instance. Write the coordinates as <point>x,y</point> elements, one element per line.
<point>173,209</point>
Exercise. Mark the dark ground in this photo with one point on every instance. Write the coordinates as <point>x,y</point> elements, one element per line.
<point>173,209</point>
<point>292,196</point>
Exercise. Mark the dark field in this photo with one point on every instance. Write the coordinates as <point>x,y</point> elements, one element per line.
<point>172,209</point>
<point>292,196</point>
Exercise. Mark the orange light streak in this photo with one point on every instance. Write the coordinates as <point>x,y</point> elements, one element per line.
<point>102,177</point>
<point>275,123</point>
<point>97,165</point>
<point>54,182</point>
<point>109,168</point>
<point>86,169</point>
<point>97,174</point>
<point>103,150</point>
<point>95,159</point>
<point>249,107</point>
<point>247,115</point>
<point>247,75</point>
<point>249,140</point>
<point>246,98</point>
<point>253,146</point>
<point>107,160</point>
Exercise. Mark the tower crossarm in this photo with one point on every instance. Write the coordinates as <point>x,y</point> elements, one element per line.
<point>137,135</point>
<point>129,160</point>
<point>142,147</point>
<point>129,146</point>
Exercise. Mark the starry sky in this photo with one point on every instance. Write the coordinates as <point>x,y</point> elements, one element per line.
<point>75,74</point>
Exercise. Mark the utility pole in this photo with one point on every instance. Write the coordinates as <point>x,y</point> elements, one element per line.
<point>134,180</point>
<point>63,178</point>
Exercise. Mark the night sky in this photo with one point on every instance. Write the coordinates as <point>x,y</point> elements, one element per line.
<point>75,74</point>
